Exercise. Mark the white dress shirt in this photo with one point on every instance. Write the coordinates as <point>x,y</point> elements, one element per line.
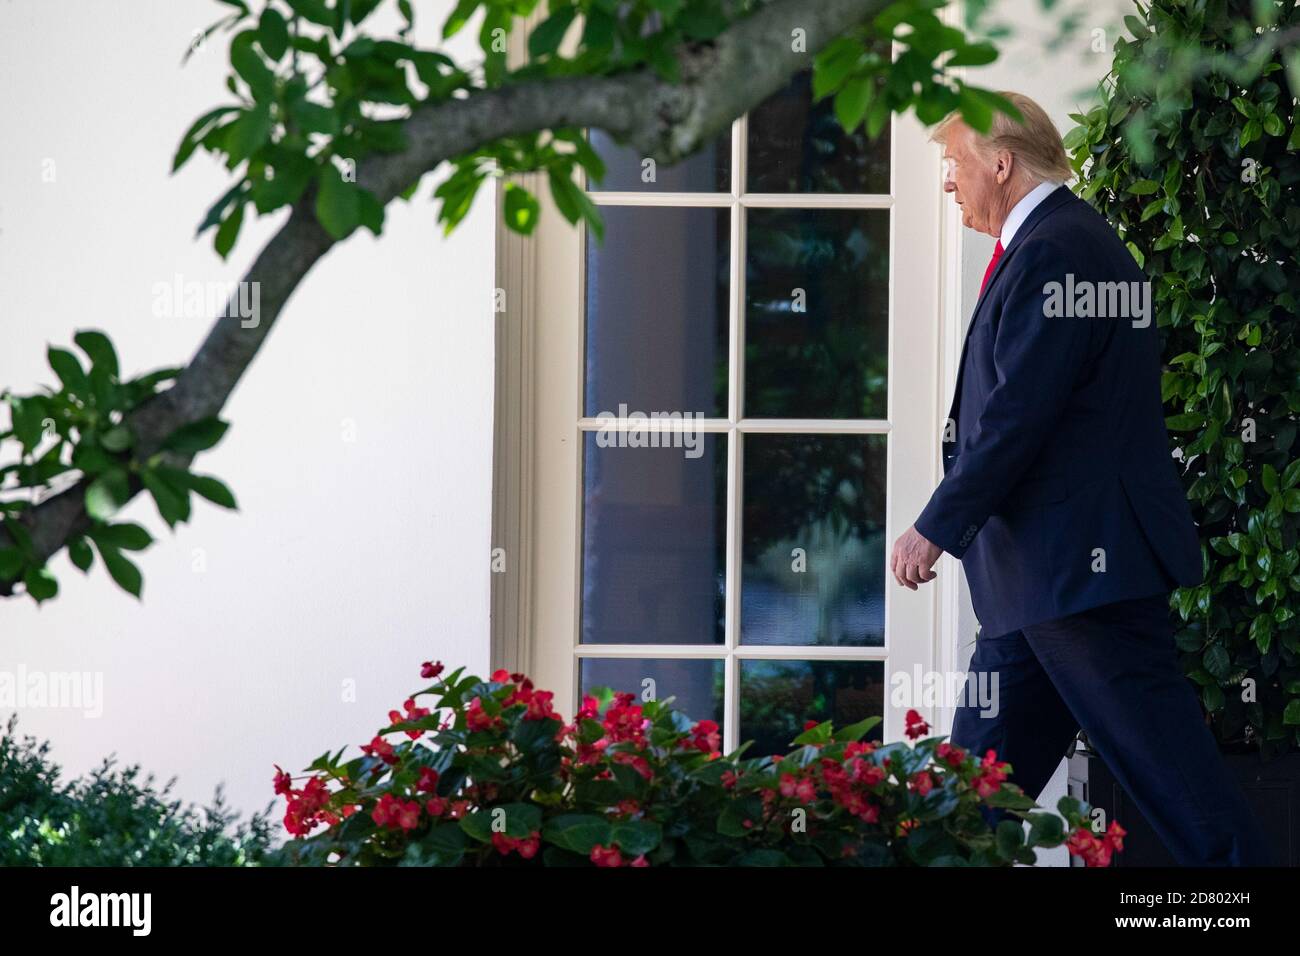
<point>1021,210</point>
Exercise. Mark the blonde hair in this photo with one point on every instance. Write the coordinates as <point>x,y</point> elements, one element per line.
<point>1035,142</point>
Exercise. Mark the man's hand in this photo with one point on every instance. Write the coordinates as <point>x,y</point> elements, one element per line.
<point>912,559</point>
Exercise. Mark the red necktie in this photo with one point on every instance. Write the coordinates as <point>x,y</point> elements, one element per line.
<point>993,264</point>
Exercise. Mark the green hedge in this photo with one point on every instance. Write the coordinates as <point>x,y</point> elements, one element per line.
<point>112,816</point>
<point>1191,155</point>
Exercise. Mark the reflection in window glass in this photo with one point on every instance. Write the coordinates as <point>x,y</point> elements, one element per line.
<point>813,561</point>
<point>778,697</point>
<point>694,685</point>
<point>707,171</point>
<point>816,313</point>
<point>798,146</point>
<point>654,528</point>
<point>657,311</point>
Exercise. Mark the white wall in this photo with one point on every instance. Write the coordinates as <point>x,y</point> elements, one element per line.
<point>349,560</point>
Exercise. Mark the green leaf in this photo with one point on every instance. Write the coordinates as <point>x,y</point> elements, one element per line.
<point>106,494</point>
<point>121,569</point>
<point>99,348</point>
<point>196,436</point>
<point>1185,422</point>
<point>1268,478</point>
<point>314,11</point>
<point>273,33</point>
<point>212,489</point>
<point>1291,715</point>
<point>172,503</point>
<point>196,132</point>
<point>41,584</point>
<point>315,118</point>
<point>117,439</point>
<point>1010,838</point>
<point>250,66</point>
<point>69,371</point>
<point>80,554</point>
<point>228,232</point>
<point>521,209</point>
<point>637,837</point>
<point>545,38</point>
<point>248,134</point>
<point>577,832</point>
<point>973,54</point>
<point>11,563</point>
<point>852,101</point>
<point>1143,187</point>
<point>127,536</point>
<point>338,204</point>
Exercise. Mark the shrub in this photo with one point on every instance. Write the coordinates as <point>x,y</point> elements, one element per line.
<point>1192,156</point>
<point>111,817</point>
<point>486,773</point>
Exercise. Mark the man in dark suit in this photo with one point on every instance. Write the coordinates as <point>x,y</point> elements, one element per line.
<point>1062,501</point>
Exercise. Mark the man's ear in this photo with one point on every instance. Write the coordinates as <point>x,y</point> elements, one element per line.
<point>1006,165</point>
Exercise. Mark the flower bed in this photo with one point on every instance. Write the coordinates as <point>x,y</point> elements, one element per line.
<point>483,773</point>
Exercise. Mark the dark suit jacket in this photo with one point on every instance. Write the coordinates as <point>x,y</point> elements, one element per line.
<point>1059,492</point>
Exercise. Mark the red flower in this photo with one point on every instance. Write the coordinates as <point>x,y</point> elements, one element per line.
<point>625,721</point>
<point>412,714</point>
<point>916,726</point>
<point>501,676</point>
<point>431,669</point>
<point>528,848</point>
<point>801,788</point>
<point>396,814</point>
<point>436,807</point>
<point>1115,836</point>
<point>428,781</point>
<point>636,762</point>
<point>810,724</point>
<point>922,782</point>
<point>606,855</point>
<point>950,754</point>
<point>729,779</point>
<point>306,807</point>
<point>640,861</point>
<point>381,748</point>
<point>476,718</point>
<point>992,772</point>
<point>538,702</point>
<point>704,737</point>
<point>283,782</point>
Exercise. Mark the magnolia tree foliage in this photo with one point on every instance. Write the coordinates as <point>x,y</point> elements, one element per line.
<point>326,122</point>
<point>1192,155</point>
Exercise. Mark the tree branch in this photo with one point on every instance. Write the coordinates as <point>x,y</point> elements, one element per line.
<point>719,81</point>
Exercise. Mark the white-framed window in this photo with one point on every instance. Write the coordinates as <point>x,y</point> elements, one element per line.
<point>784,286</point>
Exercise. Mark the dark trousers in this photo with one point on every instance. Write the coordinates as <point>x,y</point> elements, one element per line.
<point>1113,671</point>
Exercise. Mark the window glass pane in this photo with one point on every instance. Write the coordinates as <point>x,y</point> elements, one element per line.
<point>813,562</point>
<point>778,697</point>
<point>816,313</point>
<point>796,145</point>
<point>707,171</point>
<point>654,526</point>
<point>657,311</point>
<point>695,685</point>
